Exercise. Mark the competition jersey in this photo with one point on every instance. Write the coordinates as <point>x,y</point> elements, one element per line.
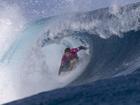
<point>73,55</point>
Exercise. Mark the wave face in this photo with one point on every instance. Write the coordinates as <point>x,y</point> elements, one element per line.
<point>112,35</point>
<point>112,57</point>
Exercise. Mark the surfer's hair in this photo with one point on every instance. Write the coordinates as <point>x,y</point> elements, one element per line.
<point>67,49</point>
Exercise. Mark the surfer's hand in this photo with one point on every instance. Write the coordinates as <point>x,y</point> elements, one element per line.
<point>82,48</point>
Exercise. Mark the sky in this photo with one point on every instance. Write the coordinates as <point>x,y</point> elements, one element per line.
<point>34,9</point>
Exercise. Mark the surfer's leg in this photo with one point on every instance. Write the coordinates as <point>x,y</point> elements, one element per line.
<point>60,69</point>
<point>73,63</point>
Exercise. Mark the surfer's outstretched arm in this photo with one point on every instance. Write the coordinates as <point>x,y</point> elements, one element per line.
<point>82,48</point>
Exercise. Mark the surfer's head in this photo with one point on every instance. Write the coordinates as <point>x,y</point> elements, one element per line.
<point>67,50</point>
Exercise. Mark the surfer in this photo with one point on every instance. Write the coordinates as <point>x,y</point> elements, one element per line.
<point>70,58</point>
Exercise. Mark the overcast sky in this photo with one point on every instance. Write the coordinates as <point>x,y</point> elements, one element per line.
<point>45,8</point>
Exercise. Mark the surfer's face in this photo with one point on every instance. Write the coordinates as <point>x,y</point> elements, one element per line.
<point>67,54</point>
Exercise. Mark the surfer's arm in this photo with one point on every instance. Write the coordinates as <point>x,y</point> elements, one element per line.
<point>82,48</point>
<point>75,50</point>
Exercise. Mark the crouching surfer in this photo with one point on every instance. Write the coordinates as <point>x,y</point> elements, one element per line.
<point>70,58</point>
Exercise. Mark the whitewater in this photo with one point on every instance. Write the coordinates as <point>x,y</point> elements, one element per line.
<point>30,61</point>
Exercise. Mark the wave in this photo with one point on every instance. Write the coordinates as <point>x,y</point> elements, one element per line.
<point>103,22</point>
<point>111,35</point>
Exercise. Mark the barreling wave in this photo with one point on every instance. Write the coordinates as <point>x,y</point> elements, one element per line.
<point>112,35</point>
